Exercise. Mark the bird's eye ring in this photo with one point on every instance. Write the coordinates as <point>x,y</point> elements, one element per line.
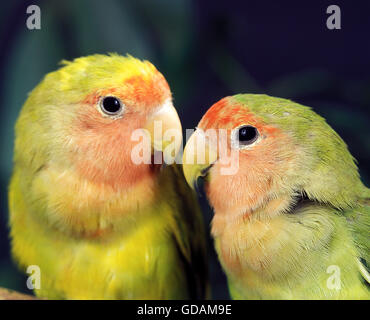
<point>111,106</point>
<point>244,136</point>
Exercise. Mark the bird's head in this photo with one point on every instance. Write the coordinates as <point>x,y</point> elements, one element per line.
<point>273,150</point>
<point>84,114</point>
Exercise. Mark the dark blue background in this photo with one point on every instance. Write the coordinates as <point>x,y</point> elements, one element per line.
<point>206,50</point>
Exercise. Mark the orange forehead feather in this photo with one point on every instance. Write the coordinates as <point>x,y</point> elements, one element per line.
<point>141,91</point>
<point>226,114</point>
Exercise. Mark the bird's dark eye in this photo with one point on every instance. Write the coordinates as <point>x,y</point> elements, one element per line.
<point>247,135</point>
<point>111,106</point>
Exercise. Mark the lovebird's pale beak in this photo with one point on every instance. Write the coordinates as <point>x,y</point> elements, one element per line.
<point>165,131</point>
<point>198,158</point>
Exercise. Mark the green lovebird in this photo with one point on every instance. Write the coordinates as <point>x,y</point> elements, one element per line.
<point>98,223</point>
<point>291,215</point>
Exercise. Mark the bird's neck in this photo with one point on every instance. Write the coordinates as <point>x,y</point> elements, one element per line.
<point>89,209</point>
<point>247,215</point>
<point>248,233</point>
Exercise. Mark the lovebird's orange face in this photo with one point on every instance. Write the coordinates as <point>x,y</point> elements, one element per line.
<point>101,130</point>
<point>244,164</point>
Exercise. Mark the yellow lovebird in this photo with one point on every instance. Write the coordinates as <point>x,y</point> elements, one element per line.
<point>98,224</point>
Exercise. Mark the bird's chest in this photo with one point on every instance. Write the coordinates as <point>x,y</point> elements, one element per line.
<point>251,265</point>
<point>256,256</point>
<point>138,264</point>
<point>250,246</point>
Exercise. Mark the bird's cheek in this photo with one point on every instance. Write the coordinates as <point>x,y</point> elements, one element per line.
<point>103,152</point>
<point>238,193</point>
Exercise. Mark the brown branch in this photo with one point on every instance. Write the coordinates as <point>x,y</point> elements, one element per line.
<point>6,294</point>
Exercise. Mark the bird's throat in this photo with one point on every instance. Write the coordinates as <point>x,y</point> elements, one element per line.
<point>88,209</point>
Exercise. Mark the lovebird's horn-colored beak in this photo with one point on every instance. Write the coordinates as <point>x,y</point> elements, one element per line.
<point>165,131</point>
<point>198,157</point>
